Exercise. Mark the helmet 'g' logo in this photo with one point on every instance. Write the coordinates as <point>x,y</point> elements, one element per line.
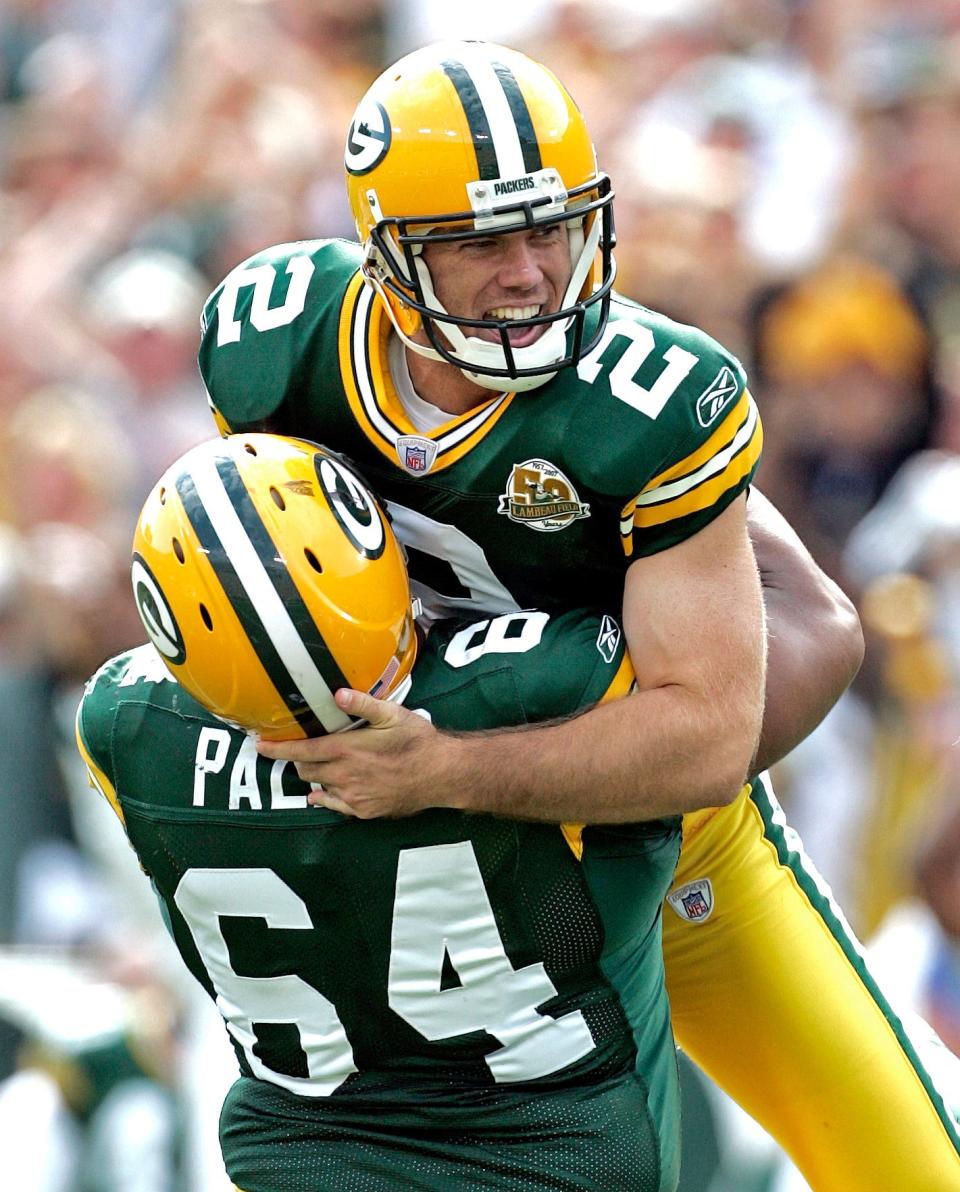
<point>156,614</point>
<point>368,139</point>
<point>540,496</point>
<point>352,505</point>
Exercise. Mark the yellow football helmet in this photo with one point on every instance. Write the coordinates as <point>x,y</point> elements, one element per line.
<point>467,139</point>
<point>267,576</point>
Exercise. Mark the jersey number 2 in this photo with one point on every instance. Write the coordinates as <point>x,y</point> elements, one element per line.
<point>263,316</point>
<point>650,401</point>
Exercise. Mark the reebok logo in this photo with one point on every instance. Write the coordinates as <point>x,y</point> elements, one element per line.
<point>608,638</point>
<point>717,396</point>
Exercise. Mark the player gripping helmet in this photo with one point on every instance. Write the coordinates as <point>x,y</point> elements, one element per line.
<point>267,576</point>
<point>467,139</point>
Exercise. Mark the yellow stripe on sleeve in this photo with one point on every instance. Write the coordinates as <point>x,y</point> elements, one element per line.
<point>622,682</point>
<point>98,780</point>
<point>707,493</point>
<point>725,433</point>
<point>668,497</point>
<point>573,834</point>
<point>223,426</point>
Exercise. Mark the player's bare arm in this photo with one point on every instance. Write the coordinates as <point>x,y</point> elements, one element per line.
<point>685,739</point>
<point>814,639</point>
<point>814,644</point>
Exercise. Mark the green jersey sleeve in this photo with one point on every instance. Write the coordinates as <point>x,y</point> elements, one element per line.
<point>94,727</point>
<point>269,330</point>
<point>521,668</point>
<point>132,677</point>
<point>680,435</point>
<point>95,715</point>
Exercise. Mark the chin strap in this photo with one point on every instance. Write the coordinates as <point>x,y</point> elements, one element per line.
<point>548,350</point>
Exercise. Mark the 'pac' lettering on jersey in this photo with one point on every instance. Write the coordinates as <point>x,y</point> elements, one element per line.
<point>540,496</point>
<point>214,746</point>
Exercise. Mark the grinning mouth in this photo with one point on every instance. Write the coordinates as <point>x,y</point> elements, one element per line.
<point>521,336</point>
<point>513,312</point>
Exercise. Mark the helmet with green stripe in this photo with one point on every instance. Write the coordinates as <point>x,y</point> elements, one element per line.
<point>267,576</point>
<point>462,140</point>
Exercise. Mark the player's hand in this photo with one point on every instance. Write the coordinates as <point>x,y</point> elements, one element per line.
<point>394,766</point>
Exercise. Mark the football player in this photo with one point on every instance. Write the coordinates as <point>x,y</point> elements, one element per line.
<point>440,1001</point>
<point>541,441</point>
<point>534,435</point>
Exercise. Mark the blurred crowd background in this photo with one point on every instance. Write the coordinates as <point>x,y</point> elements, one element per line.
<point>788,178</point>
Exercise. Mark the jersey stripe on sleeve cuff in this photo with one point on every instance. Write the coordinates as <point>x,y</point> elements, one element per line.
<point>699,480</point>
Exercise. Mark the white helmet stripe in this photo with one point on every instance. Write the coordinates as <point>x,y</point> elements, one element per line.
<point>263,595</point>
<point>503,128</point>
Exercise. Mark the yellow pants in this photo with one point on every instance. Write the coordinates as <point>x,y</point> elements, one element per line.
<point>771,996</point>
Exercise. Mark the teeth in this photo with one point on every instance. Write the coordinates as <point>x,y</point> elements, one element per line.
<point>513,312</point>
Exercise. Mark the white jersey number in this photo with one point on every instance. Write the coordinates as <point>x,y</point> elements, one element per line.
<point>650,401</point>
<point>206,895</point>
<point>441,908</point>
<point>484,593</point>
<point>263,316</point>
<point>513,633</point>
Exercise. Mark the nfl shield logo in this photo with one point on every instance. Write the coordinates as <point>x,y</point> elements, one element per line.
<point>694,901</point>
<point>416,454</point>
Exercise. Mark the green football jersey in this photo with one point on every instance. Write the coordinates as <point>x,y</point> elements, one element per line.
<point>529,500</point>
<point>461,1000</point>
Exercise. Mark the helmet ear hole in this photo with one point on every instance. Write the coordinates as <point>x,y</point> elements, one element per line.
<point>178,551</point>
<point>249,449</point>
<point>313,560</point>
<point>277,497</point>
<point>205,617</point>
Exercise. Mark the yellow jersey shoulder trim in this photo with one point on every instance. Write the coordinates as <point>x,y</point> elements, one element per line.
<point>363,340</point>
<point>96,777</point>
<point>701,478</point>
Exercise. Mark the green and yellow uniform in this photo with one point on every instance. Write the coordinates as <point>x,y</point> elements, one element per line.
<point>528,500</point>
<point>442,1001</point>
<point>543,499</point>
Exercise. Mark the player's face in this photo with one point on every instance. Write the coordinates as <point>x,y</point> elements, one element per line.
<point>515,275</point>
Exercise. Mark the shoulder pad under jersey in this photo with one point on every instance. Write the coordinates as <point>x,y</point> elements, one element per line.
<point>665,423</point>
<point>554,666</point>
<point>267,325</point>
